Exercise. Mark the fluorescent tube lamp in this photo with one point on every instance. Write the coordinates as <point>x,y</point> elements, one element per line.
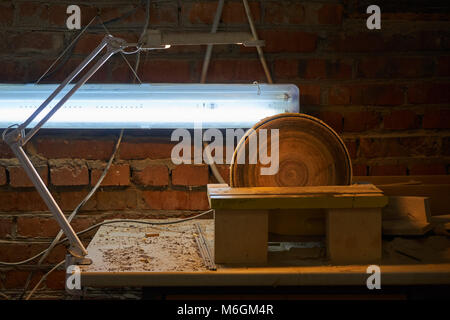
<point>138,106</point>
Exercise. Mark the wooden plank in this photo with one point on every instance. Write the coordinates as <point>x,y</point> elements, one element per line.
<point>240,236</point>
<point>354,235</point>
<point>405,228</point>
<point>406,216</point>
<point>402,274</point>
<point>438,194</point>
<point>294,202</point>
<point>382,180</point>
<point>222,190</point>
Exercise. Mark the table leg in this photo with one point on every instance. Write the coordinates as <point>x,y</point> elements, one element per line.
<point>354,235</point>
<point>240,236</point>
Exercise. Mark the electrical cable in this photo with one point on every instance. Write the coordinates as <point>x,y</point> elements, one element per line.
<point>68,53</point>
<point>147,21</point>
<point>4,296</point>
<point>110,222</point>
<point>43,278</point>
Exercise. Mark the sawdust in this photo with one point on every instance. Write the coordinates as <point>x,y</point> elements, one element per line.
<point>133,248</point>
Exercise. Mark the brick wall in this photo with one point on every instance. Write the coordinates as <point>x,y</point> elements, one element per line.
<point>385,91</point>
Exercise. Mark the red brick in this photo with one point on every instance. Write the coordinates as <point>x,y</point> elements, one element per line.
<point>57,148</point>
<point>32,14</point>
<point>6,225</point>
<point>153,70</point>
<point>13,252</point>
<point>3,179</point>
<point>361,121</point>
<point>309,94</point>
<point>285,40</point>
<point>339,95</point>
<point>18,177</point>
<point>359,170</point>
<point>56,280</point>
<point>13,71</point>
<point>203,12</point>
<point>388,170</point>
<point>69,200</point>
<point>436,119</point>
<point>286,68</point>
<point>333,119</point>
<point>6,13</point>
<point>398,147</point>
<point>234,12</point>
<point>142,149</point>
<point>361,42</point>
<point>443,66</point>
<point>152,175</point>
<point>322,69</point>
<point>236,70</point>
<point>160,14</point>
<point>427,169</point>
<point>35,41</point>
<point>37,227</point>
<point>73,173</point>
<point>382,95</point>
<point>114,12</point>
<point>351,148</point>
<point>198,200</point>
<point>379,94</point>
<point>283,12</point>
<point>190,175</point>
<point>401,120</point>
<point>176,200</point>
<point>397,67</point>
<point>117,200</point>
<point>118,175</point>
<point>330,14</point>
<point>166,200</point>
<point>16,279</point>
<point>429,93</point>
<point>371,41</point>
<point>5,151</point>
<point>21,201</point>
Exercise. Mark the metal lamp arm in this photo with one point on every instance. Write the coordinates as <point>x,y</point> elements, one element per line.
<point>17,138</point>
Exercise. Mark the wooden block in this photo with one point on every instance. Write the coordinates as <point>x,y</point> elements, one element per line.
<point>304,222</point>
<point>354,235</point>
<point>406,216</point>
<point>240,236</point>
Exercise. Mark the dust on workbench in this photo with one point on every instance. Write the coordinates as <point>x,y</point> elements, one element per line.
<point>133,247</point>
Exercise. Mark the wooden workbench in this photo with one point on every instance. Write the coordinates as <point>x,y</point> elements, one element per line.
<point>136,255</point>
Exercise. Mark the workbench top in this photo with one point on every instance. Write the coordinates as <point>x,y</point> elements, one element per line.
<point>131,254</point>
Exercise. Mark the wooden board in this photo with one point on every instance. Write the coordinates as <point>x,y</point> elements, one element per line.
<point>295,198</point>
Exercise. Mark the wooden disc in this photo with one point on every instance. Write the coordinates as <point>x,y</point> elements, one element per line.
<point>310,154</point>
